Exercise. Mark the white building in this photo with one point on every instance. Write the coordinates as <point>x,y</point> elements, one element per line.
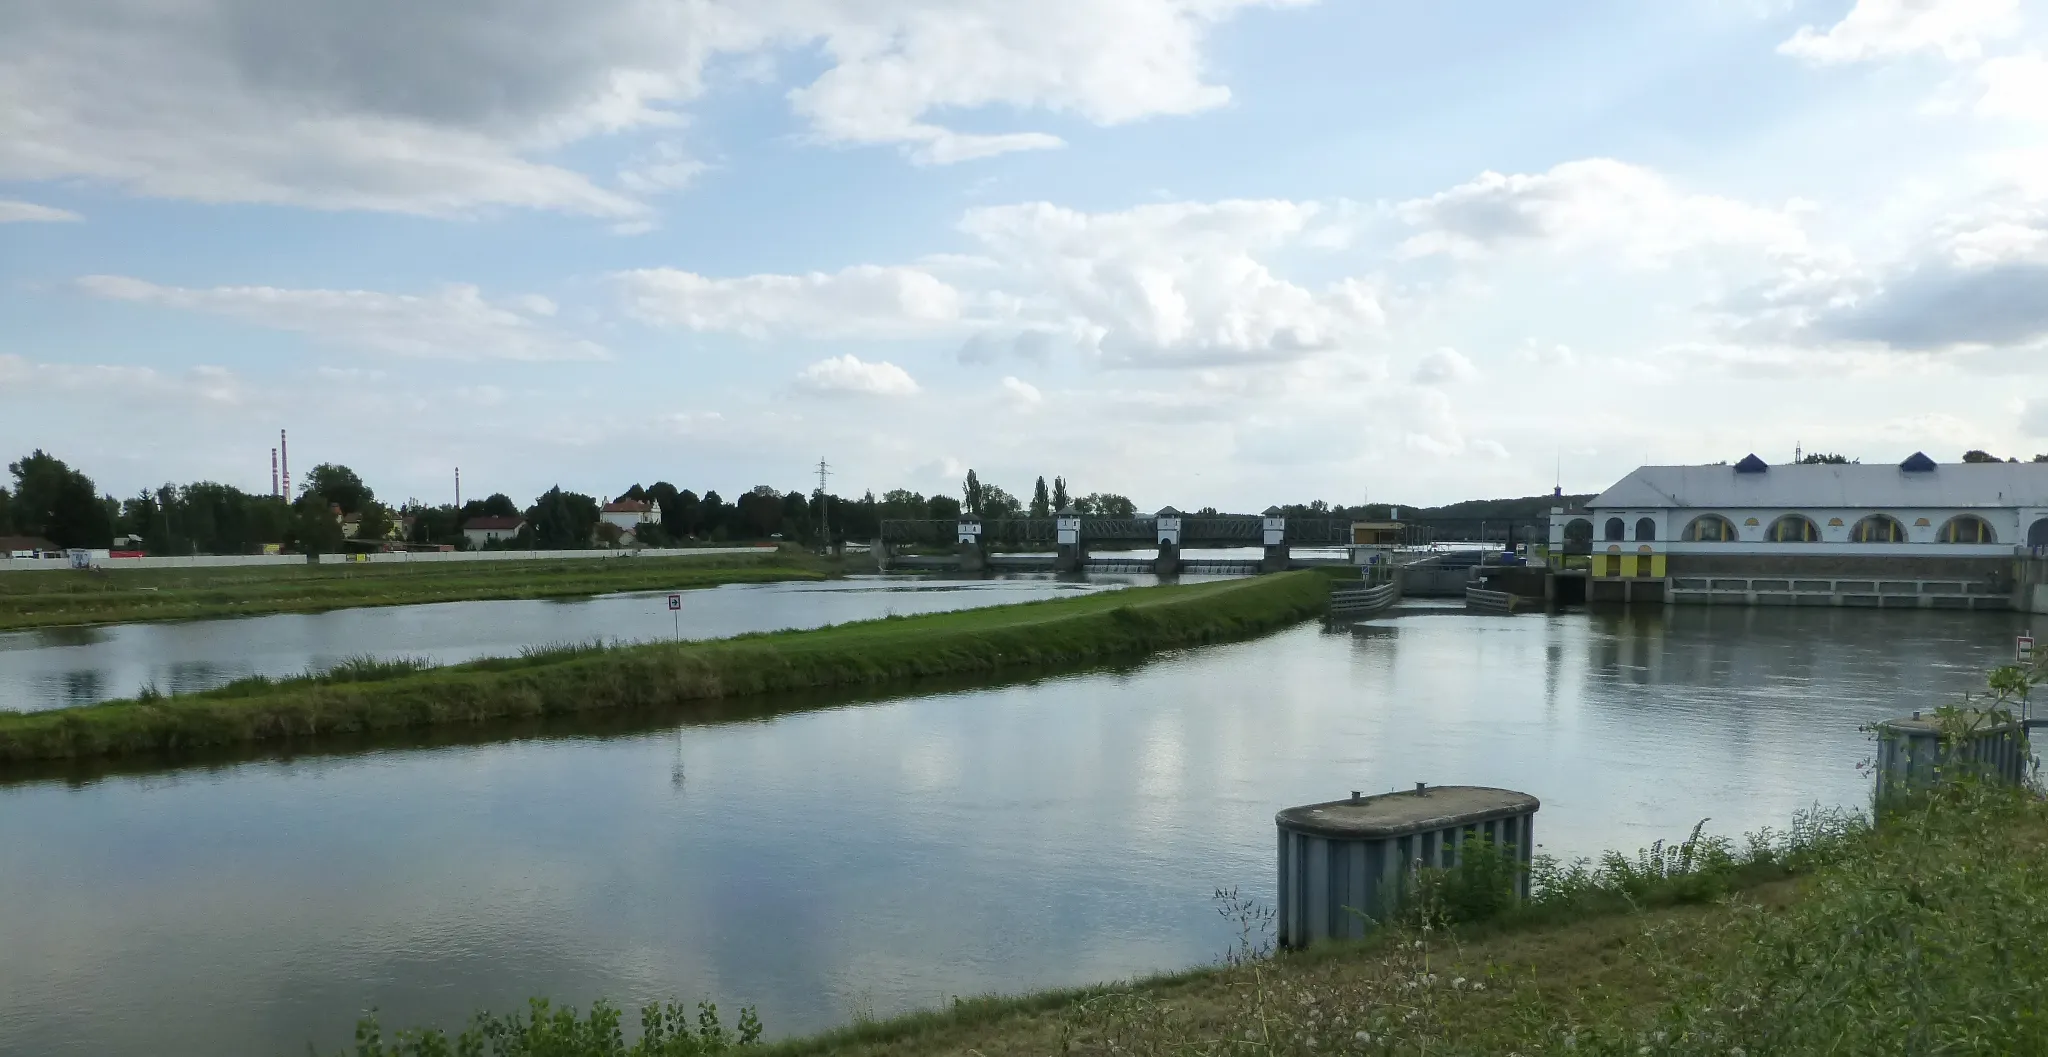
<point>630,514</point>
<point>482,530</point>
<point>1918,527</point>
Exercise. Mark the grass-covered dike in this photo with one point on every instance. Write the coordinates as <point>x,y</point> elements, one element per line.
<point>389,697</point>
<point>52,598</point>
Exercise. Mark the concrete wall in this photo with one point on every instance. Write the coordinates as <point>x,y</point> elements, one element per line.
<point>1839,564</point>
<point>219,561</point>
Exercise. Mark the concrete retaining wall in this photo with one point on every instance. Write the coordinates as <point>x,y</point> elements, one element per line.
<point>221,561</point>
<point>1837,566</point>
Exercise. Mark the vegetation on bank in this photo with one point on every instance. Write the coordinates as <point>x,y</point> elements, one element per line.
<point>397,696</point>
<point>60,597</point>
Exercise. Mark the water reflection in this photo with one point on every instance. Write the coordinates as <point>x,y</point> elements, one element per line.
<point>890,854</point>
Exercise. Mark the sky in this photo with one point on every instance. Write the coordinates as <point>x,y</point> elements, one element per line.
<point>1197,252</point>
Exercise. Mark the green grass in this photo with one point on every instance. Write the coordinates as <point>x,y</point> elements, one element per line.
<point>1919,936</point>
<point>67,597</point>
<point>999,640</point>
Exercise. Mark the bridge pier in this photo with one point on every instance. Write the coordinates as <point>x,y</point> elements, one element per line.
<point>972,560</point>
<point>1274,534</point>
<point>1073,550</point>
<point>1166,525</point>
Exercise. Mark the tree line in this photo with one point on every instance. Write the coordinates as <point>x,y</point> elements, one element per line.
<point>53,501</point>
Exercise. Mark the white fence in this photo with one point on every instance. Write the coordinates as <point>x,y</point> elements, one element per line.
<point>219,561</point>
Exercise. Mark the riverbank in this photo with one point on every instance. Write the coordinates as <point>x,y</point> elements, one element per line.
<point>1916,938</point>
<point>68,597</point>
<point>374,697</point>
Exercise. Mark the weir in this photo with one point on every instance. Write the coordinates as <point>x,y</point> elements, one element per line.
<point>1063,543</point>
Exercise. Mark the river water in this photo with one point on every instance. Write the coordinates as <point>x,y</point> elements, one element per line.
<point>866,858</point>
<point>55,667</point>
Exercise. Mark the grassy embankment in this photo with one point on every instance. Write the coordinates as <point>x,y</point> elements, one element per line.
<point>399,696</point>
<point>65,597</point>
<point>1920,937</point>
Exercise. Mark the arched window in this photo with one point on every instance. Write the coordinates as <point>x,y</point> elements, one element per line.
<point>1710,528</point>
<point>1878,528</point>
<point>1646,529</point>
<point>2038,535</point>
<point>1967,528</point>
<point>1616,529</point>
<point>1793,528</point>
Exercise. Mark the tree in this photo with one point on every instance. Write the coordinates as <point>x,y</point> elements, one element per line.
<point>665,498</point>
<point>313,529</point>
<point>340,486</point>
<point>375,522</point>
<point>682,519</point>
<point>1824,459</point>
<point>1106,504</point>
<point>1979,455</point>
<point>59,503</point>
<point>711,515</point>
<point>1060,499</point>
<point>902,504</point>
<point>1041,502</point>
<point>970,493</point>
<point>998,504</point>
<point>563,520</point>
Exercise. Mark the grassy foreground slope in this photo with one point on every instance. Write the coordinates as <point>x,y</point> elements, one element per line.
<point>50,598</point>
<point>374,697</point>
<point>1921,937</point>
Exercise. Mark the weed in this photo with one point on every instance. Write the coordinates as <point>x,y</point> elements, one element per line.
<point>545,1031</point>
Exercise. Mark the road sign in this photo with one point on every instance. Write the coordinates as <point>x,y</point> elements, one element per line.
<point>2023,647</point>
<point>675,601</point>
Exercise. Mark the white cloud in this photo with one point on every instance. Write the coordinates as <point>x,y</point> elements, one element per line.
<point>2013,86</point>
<point>863,301</point>
<point>12,212</point>
<point>123,384</point>
<point>1445,366</point>
<point>447,109</point>
<point>1878,29</point>
<point>2034,418</point>
<point>1020,393</point>
<point>1174,282</point>
<point>850,375</point>
<point>452,323</point>
<point>1595,202</point>
<point>1977,281</point>
<point>1185,283</point>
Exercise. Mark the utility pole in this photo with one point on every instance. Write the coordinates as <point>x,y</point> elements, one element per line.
<point>824,524</point>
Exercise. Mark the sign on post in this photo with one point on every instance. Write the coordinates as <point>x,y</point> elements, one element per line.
<point>2023,647</point>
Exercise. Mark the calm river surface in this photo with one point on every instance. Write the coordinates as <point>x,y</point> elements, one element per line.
<point>876,857</point>
<point>55,667</point>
